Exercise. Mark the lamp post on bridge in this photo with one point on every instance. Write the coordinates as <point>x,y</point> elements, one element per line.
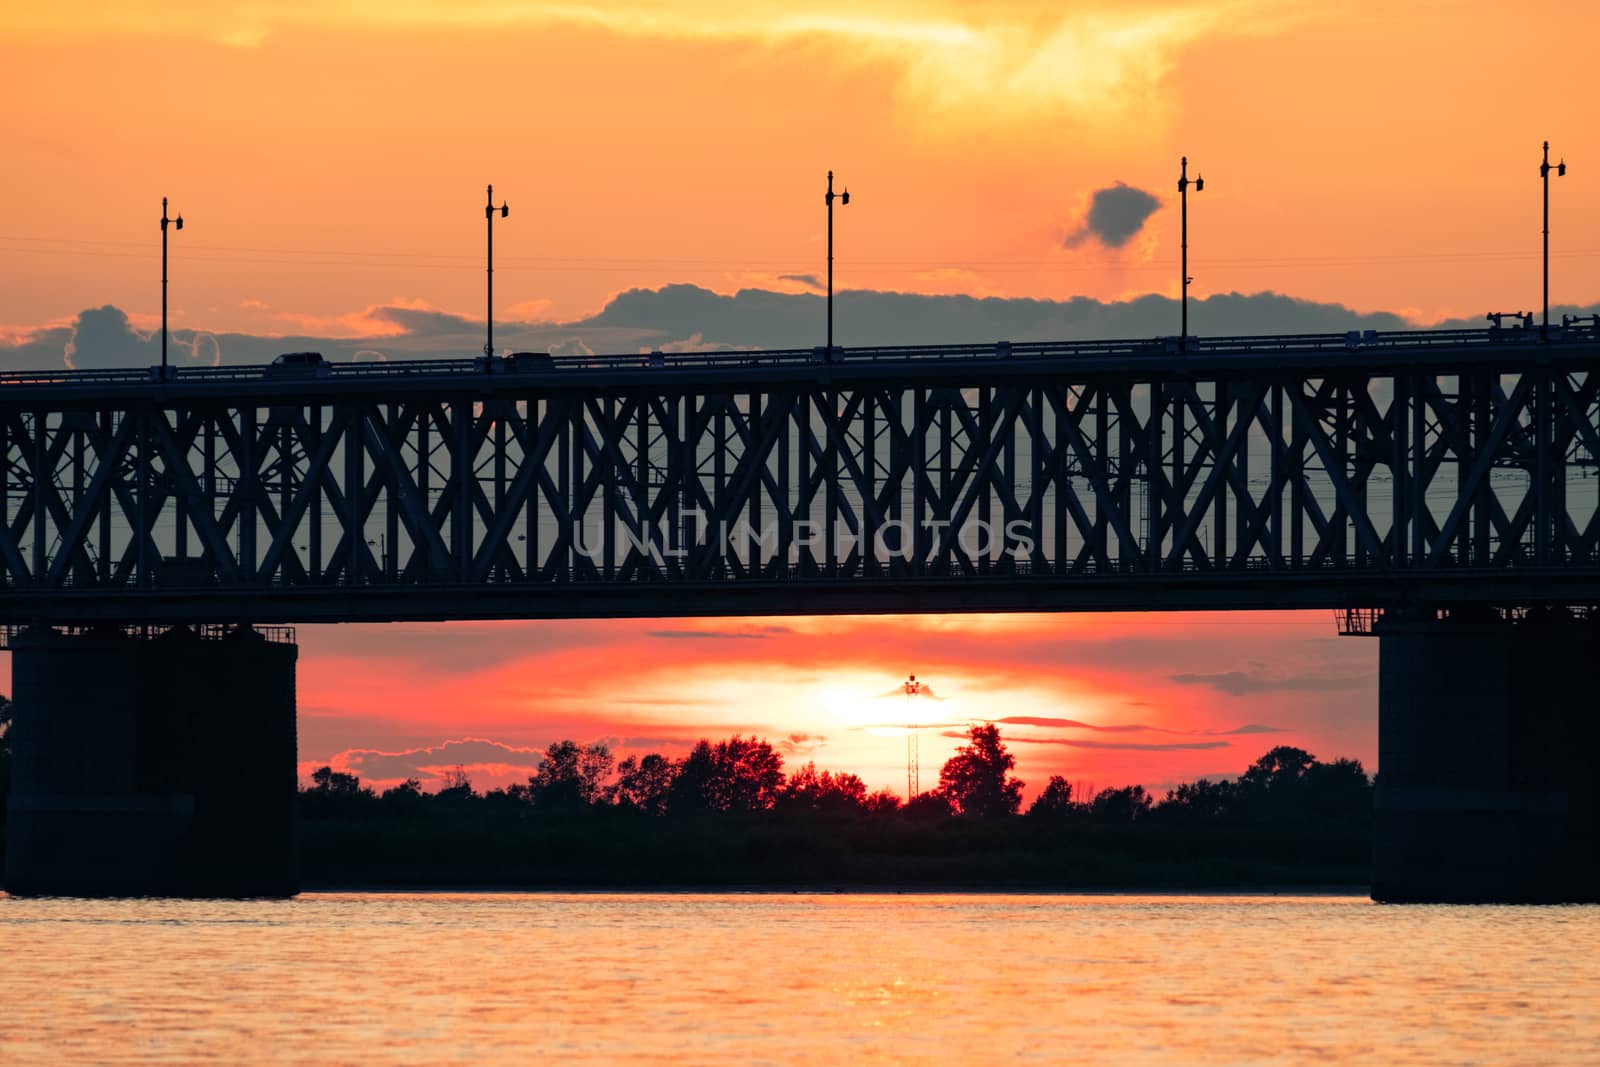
<point>1183,197</point>
<point>1544,176</point>
<point>844,199</point>
<point>177,224</point>
<point>489,213</point>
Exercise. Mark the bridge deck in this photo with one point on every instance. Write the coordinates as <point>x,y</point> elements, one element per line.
<point>1335,470</point>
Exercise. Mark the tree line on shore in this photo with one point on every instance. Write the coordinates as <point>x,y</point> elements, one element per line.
<point>729,814</point>
<point>746,775</point>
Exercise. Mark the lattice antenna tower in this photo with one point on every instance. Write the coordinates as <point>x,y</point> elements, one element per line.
<point>913,769</point>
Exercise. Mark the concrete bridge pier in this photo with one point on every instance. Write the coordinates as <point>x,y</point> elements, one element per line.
<point>1488,733</point>
<point>153,764</point>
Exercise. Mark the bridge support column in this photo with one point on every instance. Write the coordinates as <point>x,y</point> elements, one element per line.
<point>152,765</point>
<point>1487,756</point>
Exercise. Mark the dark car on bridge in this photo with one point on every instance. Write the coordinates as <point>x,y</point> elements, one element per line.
<point>531,362</point>
<point>300,365</point>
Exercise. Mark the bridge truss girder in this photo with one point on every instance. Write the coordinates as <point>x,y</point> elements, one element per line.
<point>1039,487</point>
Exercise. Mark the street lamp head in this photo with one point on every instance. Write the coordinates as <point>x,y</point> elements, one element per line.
<point>1561,169</point>
<point>505,209</point>
<point>179,221</point>
<point>845,198</point>
<point>1199,184</point>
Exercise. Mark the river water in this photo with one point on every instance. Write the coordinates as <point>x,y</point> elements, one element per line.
<point>803,978</point>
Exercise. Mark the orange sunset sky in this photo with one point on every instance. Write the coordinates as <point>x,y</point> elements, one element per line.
<point>330,157</point>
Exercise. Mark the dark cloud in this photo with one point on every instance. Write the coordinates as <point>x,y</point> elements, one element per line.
<point>1240,683</point>
<point>323,732</point>
<point>426,322</point>
<point>677,317</point>
<point>38,349</point>
<point>426,762</point>
<point>797,745</point>
<point>755,318</point>
<point>759,634</point>
<point>1134,746</point>
<point>659,744</point>
<point>1074,724</point>
<point>695,342</point>
<point>1115,215</point>
<point>204,349</point>
<point>921,726</point>
<point>810,280</point>
<point>103,339</point>
<point>569,346</point>
<point>1121,746</point>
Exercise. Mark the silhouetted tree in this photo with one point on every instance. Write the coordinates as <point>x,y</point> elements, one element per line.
<point>691,781</point>
<point>329,782</point>
<point>511,801</point>
<point>978,780</point>
<point>571,775</point>
<point>809,790</point>
<point>645,783</point>
<point>1290,783</point>
<point>405,797</point>
<point>335,793</point>
<point>1280,769</point>
<point>1287,809</point>
<point>934,804</point>
<point>1203,799</point>
<point>1339,789</point>
<point>1127,804</point>
<point>883,802</point>
<point>739,774</point>
<point>1055,802</point>
<point>1340,773</point>
<point>455,786</point>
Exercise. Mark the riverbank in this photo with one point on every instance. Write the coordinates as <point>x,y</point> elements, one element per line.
<point>609,851</point>
<point>757,851</point>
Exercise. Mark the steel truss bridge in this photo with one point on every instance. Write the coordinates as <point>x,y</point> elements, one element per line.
<point>1330,471</point>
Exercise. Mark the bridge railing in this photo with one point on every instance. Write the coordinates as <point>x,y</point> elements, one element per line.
<point>1006,351</point>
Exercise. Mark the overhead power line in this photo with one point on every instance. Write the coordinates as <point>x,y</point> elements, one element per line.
<point>314,257</point>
